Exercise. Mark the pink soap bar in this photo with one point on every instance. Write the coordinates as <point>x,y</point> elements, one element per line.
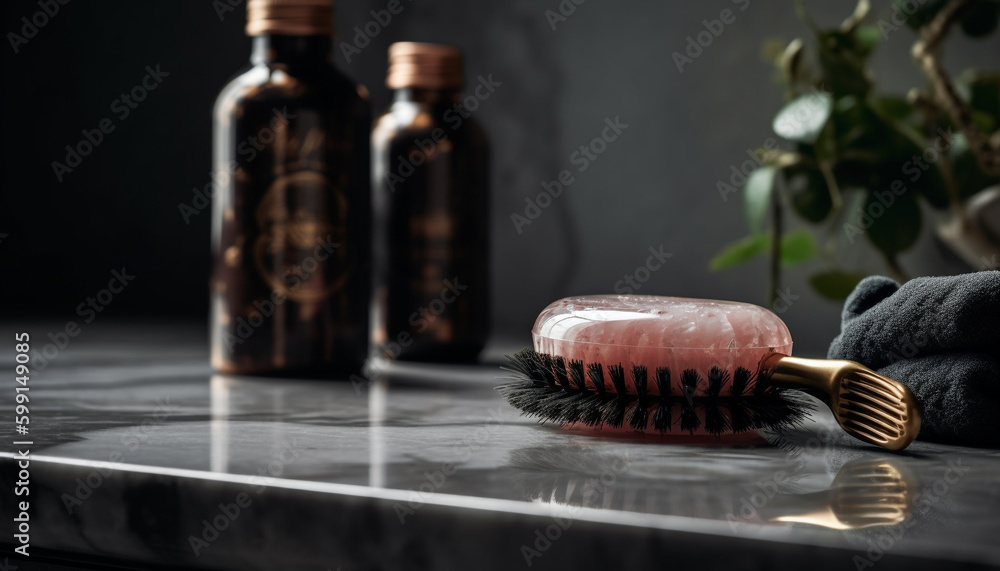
<point>654,331</point>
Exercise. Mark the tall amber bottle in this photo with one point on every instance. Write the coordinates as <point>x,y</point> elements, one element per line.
<point>431,206</point>
<point>291,282</point>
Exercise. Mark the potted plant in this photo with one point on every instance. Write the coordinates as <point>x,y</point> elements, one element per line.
<point>859,163</point>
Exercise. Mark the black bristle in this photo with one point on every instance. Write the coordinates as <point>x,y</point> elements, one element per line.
<point>640,410</point>
<point>741,380</point>
<point>761,386</point>
<point>596,373</point>
<point>617,374</point>
<point>740,419</point>
<point>662,417</point>
<point>717,378</point>
<point>559,367</point>
<point>689,415</point>
<point>715,419</point>
<point>594,415</point>
<point>544,387</point>
<point>639,380</point>
<point>576,375</point>
<point>689,384</point>
<point>545,367</point>
<point>663,381</point>
<point>614,411</point>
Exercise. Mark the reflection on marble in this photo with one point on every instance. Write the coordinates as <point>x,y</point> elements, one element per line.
<point>339,459</point>
<point>865,493</point>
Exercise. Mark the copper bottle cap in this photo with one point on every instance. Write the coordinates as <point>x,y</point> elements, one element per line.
<point>290,17</point>
<point>425,66</point>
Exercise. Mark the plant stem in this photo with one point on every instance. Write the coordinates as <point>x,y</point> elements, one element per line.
<point>775,280</point>
<point>927,53</point>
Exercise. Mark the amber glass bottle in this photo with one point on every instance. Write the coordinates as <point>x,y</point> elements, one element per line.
<point>431,201</point>
<point>291,243</point>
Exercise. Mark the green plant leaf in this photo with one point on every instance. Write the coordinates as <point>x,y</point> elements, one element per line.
<point>983,92</point>
<point>981,19</point>
<point>983,121</point>
<point>808,192</point>
<point>803,118</point>
<point>835,284</point>
<point>969,177</point>
<point>892,226</point>
<point>797,247</point>
<point>842,59</point>
<point>922,16</point>
<point>757,196</point>
<point>867,37</point>
<point>857,127</point>
<point>878,151</point>
<point>740,251</point>
<point>895,108</point>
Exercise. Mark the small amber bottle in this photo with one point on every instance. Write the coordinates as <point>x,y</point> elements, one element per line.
<point>291,281</point>
<point>430,182</point>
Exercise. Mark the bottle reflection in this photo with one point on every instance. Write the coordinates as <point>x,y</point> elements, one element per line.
<point>378,391</point>
<point>219,424</point>
<point>261,427</point>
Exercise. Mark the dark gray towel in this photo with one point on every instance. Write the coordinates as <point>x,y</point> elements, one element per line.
<point>941,338</point>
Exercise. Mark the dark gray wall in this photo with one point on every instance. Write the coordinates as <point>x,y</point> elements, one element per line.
<point>654,186</point>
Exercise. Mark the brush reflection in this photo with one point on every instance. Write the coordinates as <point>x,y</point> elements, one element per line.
<point>864,493</point>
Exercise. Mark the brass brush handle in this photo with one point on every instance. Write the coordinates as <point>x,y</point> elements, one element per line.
<point>869,406</point>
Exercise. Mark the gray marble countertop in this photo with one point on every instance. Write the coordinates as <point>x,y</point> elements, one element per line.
<point>141,456</point>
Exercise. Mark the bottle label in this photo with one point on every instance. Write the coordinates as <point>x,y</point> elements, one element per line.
<point>300,250</point>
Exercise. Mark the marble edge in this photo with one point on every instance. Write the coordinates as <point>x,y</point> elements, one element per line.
<point>661,522</point>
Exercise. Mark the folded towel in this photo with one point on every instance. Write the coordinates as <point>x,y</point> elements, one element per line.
<point>941,338</point>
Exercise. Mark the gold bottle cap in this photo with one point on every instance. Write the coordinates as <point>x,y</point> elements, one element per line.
<point>425,66</point>
<point>290,17</point>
